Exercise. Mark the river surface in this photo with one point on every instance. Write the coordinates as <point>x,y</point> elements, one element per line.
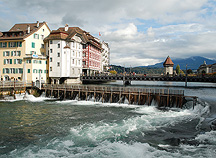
<point>44,127</point>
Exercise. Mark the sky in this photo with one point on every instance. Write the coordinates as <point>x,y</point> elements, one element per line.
<point>139,32</point>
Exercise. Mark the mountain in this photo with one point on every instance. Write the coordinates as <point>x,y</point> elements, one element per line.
<point>192,63</point>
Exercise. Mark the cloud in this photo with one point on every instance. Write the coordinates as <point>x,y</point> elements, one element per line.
<point>138,32</point>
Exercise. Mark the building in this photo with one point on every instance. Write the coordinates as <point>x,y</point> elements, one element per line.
<point>204,68</point>
<point>23,53</point>
<point>105,57</point>
<point>168,66</point>
<point>91,55</point>
<point>65,49</point>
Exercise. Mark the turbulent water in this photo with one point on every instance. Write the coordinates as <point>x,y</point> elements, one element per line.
<point>44,127</point>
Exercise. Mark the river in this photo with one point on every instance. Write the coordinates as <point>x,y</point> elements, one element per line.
<point>45,127</point>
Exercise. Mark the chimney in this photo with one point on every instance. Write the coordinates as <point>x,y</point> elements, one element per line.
<point>37,23</point>
<point>28,28</point>
<point>66,27</point>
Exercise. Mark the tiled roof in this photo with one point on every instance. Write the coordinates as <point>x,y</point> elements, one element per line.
<point>61,34</point>
<point>168,61</point>
<point>20,31</point>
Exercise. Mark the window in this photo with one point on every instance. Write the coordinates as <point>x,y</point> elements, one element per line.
<point>84,54</point>
<point>79,62</point>
<point>20,70</point>
<point>36,36</point>
<point>51,42</point>
<point>33,45</point>
<point>50,68</point>
<point>15,53</point>
<point>29,70</point>
<point>58,45</point>
<point>17,61</point>
<point>58,54</point>
<point>73,61</point>
<point>40,62</point>
<point>6,53</point>
<point>45,62</point>
<point>42,36</point>
<point>42,45</point>
<point>28,61</point>
<point>50,59</point>
<point>50,50</point>
<point>45,71</point>
<point>35,61</point>
<point>12,44</point>
<point>3,44</point>
<point>43,30</point>
<point>58,64</point>
<point>7,61</point>
<point>73,53</point>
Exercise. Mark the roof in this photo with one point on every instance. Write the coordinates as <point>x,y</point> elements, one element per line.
<point>168,62</point>
<point>61,34</point>
<point>20,31</point>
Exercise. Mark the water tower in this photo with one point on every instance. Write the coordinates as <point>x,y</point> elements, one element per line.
<point>168,66</point>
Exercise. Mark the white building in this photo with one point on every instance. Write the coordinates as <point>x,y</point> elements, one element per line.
<point>168,66</point>
<point>64,48</point>
<point>205,69</point>
<point>105,57</point>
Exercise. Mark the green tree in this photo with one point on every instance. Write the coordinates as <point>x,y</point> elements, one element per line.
<point>178,69</point>
<point>189,71</point>
<point>113,72</point>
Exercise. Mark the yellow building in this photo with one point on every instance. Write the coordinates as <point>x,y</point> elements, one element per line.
<point>22,52</point>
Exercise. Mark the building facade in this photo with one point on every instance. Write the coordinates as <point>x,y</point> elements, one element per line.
<point>205,69</point>
<point>23,55</point>
<point>64,49</point>
<point>105,57</point>
<point>91,55</point>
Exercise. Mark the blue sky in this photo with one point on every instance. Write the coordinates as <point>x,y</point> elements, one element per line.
<point>139,32</point>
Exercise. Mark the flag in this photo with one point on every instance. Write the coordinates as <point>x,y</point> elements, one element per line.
<point>99,34</point>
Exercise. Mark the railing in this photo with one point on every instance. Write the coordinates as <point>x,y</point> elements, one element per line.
<point>115,89</point>
<point>9,84</point>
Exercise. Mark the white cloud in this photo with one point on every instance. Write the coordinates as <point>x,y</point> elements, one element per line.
<point>142,30</point>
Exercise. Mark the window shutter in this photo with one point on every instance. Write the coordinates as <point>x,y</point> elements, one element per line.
<point>16,70</point>
<point>30,61</point>
<point>38,36</point>
<point>3,70</point>
<point>20,61</point>
<point>4,61</point>
<point>1,44</point>
<point>11,53</point>
<point>3,53</point>
<point>10,61</point>
<point>14,61</point>
<point>9,44</point>
<point>19,53</point>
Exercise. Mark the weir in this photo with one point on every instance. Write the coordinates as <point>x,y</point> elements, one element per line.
<point>138,96</point>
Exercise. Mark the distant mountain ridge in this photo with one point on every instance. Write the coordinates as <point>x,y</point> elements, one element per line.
<point>192,63</point>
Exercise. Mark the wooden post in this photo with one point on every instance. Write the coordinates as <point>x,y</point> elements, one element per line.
<point>86,95</point>
<point>139,98</point>
<point>94,95</point>
<point>65,93</point>
<point>79,95</point>
<point>120,97</point>
<point>111,96</point>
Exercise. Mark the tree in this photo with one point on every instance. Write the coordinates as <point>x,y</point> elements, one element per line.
<point>113,72</point>
<point>178,69</point>
<point>189,71</point>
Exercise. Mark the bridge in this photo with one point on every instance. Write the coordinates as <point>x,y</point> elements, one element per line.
<point>127,79</point>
